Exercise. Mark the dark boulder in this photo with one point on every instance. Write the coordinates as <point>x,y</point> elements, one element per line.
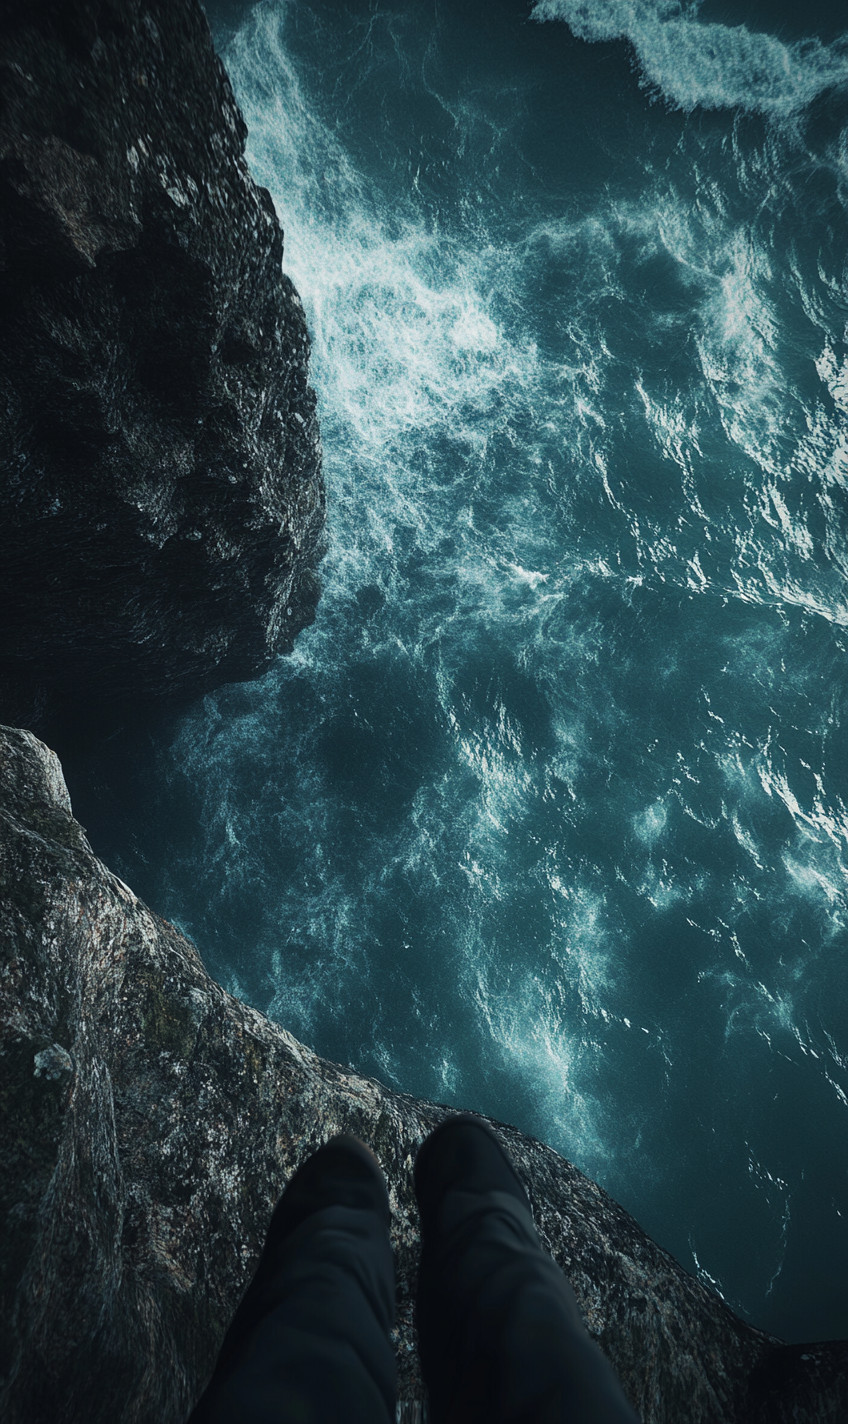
<point>149,1121</point>
<point>160,477</point>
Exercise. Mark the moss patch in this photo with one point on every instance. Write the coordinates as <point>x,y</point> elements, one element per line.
<point>167,1024</point>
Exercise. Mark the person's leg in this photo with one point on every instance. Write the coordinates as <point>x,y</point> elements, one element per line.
<point>309,1343</point>
<point>500,1334</point>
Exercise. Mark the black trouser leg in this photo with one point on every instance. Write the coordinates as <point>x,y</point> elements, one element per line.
<point>500,1334</point>
<point>309,1343</point>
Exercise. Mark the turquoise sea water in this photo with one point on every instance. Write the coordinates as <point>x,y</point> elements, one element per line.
<point>546,816</point>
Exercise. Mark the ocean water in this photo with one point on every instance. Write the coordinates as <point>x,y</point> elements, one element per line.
<point>546,815</point>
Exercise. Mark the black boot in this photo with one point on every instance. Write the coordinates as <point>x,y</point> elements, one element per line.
<point>309,1343</point>
<point>500,1334</point>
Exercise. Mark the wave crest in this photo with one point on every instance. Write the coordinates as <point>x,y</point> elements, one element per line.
<point>707,66</point>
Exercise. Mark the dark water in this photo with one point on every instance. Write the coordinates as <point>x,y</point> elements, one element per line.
<point>546,816</point>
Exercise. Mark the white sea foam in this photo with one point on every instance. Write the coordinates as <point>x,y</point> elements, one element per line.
<point>788,546</point>
<point>710,66</point>
<point>816,858</point>
<point>650,823</point>
<point>410,349</point>
<point>532,1029</point>
<point>834,375</point>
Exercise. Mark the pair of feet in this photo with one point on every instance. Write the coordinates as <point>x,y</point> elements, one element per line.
<point>462,1154</point>
<point>461,1173</point>
<point>500,1336</point>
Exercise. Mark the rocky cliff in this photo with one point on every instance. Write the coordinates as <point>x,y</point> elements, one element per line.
<point>149,1122</point>
<point>160,481</point>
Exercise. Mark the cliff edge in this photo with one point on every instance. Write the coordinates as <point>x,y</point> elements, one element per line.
<point>150,1121</point>
<point>160,474</point>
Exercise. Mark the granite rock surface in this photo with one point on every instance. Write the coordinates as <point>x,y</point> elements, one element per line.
<point>160,472</point>
<point>150,1120</point>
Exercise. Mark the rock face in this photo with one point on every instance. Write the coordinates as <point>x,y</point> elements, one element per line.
<point>160,487</point>
<point>149,1122</point>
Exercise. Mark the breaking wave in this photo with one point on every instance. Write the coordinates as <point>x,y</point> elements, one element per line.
<point>695,64</point>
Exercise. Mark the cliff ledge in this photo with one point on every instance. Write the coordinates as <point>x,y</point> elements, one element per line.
<point>150,1121</point>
